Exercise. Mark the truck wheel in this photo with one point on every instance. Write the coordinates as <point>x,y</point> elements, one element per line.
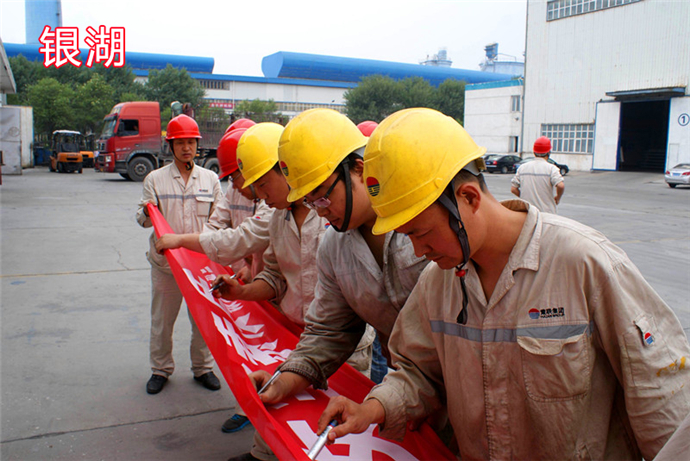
<point>59,167</point>
<point>126,176</point>
<point>139,168</point>
<point>213,165</point>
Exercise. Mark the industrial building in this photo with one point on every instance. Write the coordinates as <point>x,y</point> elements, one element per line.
<point>607,80</point>
<point>295,81</point>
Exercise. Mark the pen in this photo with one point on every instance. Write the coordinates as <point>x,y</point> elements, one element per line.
<point>270,381</point>
<point>221,283</point>
<point>321,441</point>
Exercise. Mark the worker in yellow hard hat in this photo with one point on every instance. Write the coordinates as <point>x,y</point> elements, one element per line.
<point>526,324</point>
<point>362,277</point>
<point>295,231</point>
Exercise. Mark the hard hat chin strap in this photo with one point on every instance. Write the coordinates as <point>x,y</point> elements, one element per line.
<point>348,196</point>
<point>447,200</point>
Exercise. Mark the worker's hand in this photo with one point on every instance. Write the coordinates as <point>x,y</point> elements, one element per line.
<point>352,418</point>
<point>557,199</point>
<point>245,274</point>
<point>168,241</point>
<point>283,387</point>
<point>146,208</point>
<point>227,287</point>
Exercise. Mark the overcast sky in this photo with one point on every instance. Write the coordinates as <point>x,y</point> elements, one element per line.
<point>238,34</point>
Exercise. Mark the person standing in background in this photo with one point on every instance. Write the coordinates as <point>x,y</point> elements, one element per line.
<point>534,181</point>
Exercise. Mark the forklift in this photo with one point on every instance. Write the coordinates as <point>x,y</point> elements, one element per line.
<point>65,154</point>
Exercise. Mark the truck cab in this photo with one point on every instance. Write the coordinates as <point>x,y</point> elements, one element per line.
<point>131,142</point>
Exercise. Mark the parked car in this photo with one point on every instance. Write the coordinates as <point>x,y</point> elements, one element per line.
<point>503,163</point>
<point>679,174</point>
<point>561,166</point>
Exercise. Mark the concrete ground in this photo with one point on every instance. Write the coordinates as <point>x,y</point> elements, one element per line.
<point>75,294</point>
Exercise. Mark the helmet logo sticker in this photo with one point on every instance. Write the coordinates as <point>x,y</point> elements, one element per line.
<point>284,168</point>
<point>239,164</point>
<point>373,186</point>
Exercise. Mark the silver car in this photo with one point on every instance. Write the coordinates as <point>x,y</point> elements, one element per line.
<point>679,174</point>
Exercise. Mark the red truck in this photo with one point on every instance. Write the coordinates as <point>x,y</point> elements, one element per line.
<point>131,142</point>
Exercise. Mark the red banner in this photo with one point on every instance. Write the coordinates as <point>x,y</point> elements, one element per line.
<point>246,336</point>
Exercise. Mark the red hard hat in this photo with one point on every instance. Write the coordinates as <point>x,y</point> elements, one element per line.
<point>240,123</point>
<point>182,127</point>
<point>367,127</point>
<point>227,152</point>
<point>542,145</point>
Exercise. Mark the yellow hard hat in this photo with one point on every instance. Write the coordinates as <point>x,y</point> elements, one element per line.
<point>313,145</point>
<point>257,150</point>
<point>410,159</point>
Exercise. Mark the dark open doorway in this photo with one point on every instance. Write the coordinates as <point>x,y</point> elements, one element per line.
<point>643,136</point>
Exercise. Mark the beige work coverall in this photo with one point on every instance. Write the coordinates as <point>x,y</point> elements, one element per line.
<point>536,181</point>
<point>574,356</point>
<point>242,226</point>
<point>352,291</point>
<point>186,207</point>
<point>290,268</point>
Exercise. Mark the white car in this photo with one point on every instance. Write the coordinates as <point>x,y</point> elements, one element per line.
<point>679,174</point>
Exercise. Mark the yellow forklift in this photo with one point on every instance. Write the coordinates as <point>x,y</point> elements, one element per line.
<point>65,154</point>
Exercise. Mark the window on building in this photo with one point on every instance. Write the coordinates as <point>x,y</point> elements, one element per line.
<point>558,9</point>
<point>515,103</point>
<point>212,84</point>
<point>301,106</point>
<point>570,138</point>
<point>514,144</point>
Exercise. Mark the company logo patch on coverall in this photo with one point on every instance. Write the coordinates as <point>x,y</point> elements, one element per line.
<point>535,314</point>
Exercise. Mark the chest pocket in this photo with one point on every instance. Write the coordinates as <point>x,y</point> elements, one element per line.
<point>203,205</point>
<point>555,369</point>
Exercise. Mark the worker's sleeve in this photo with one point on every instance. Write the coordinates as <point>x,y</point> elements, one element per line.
<point>218,195</point>
<point>415,390</point>
<point>226,246</point>
<point>149,196</point>
<point>647,348</point>
<point>515,182</point>
<point>556,177</point>
<point>272,275</point>
<point>332,328</point>
<point>221,217</point>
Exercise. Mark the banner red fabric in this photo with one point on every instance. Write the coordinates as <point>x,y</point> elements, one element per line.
<point>246,336</point>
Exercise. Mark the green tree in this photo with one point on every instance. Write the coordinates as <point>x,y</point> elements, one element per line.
<point>416,92</point>
<point>53,104</point>
<point>171,84</point>
<point>26,73</point>
<point>122,79</point>
<point>258,110</point>
<point>375,98</point>
<point>450,99</point>
<point>94,100</point>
